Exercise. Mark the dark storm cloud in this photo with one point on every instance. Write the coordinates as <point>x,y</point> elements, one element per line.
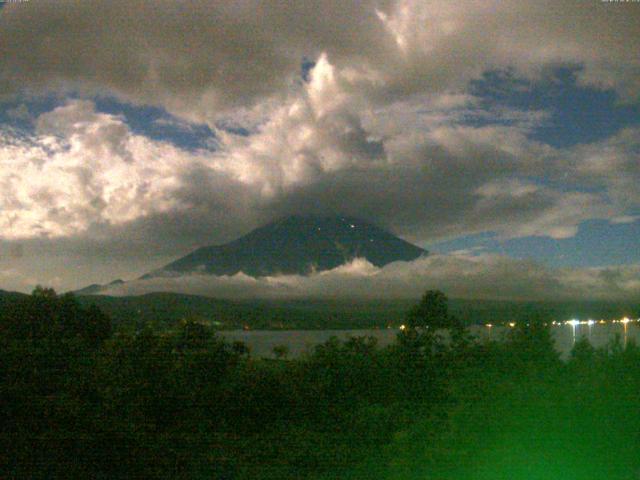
<point>199,56</point>
<point>191,57</point>
<point>412,202</point>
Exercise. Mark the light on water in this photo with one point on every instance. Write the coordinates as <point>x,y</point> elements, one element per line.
<point>599,333</point>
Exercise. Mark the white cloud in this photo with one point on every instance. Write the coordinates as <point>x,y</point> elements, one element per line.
<point>611,164</point>
<point>481,276</point>
<point>625,219</point>
<point>434,178</point>
<point>83,168</point>
<point>316,131</point>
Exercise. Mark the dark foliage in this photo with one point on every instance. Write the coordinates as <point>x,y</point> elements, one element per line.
<point>77,401</point>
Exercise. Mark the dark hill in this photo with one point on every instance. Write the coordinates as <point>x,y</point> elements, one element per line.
<point>166,310</point>
<point>296,245</point>
<point>7,297</point>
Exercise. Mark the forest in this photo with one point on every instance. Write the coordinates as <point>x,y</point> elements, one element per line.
<point>82,399</point>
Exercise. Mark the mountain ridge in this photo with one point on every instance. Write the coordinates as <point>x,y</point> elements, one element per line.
<point>296,245</point>
<point>293,245</point>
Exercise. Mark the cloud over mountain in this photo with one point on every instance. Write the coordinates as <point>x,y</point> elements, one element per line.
<point>360,108</point>
<point>461,276</point>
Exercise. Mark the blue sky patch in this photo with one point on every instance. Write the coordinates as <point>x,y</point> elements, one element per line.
<point>598,243</point>
<point>20,113</point>
<point>151,122</point>
<point>306,67</point>
<point>157,124</point>
<point>578,114</point>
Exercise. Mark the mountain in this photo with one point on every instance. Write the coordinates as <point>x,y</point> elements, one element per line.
<point>296,245</point>
<point>97,288</point>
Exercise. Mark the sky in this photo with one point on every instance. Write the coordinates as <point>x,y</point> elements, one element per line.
<point>503,136</point>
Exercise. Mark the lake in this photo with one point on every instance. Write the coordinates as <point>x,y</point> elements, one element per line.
<point>261,342</point>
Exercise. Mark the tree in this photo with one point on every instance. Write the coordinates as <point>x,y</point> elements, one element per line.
<point>281,352</point>
<point>193,335</point>
<point>429,315</point>
<point>582,352</point>
<point>432,312</point>
<point>532,343</point>
<point>240,348</point>
<point>45,293</point>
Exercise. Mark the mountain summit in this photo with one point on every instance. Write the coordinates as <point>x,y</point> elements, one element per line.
<point>296,245</point>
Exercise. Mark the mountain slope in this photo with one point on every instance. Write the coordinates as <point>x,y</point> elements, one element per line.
<point>95,288</point>
<point>296,245</point>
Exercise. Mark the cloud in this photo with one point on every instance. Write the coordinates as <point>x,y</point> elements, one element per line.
<point>384,127</point>
<point>611,164</point>
<point>81,169</point>
<point>192,58</point>
<point>462,275</point>
<point>625,219</point>
<point>201,58</point>
<point>92,186</point>
<point>21,112</point>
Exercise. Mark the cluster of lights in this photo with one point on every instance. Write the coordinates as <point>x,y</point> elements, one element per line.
<point>575,322</point>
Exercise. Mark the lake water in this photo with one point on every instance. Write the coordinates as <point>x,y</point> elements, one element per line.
<point>261,342</point>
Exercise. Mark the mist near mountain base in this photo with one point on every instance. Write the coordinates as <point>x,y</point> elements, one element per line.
<point>483,276</point>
